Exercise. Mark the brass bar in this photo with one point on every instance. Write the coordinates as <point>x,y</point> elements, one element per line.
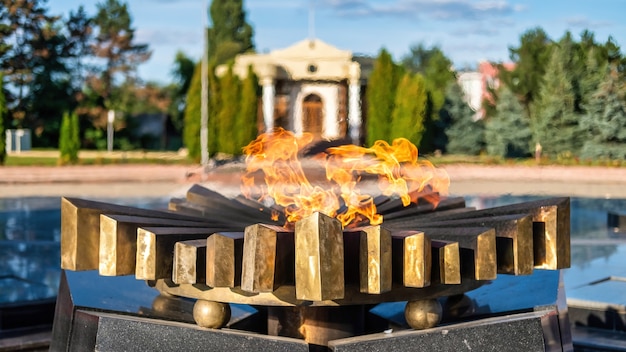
<point>80,229</point>
<point>268,258</point>
<point>319,258</point>
<point>226,207</point>
<point>224,251</point>
<point>155,248</point>
<point>414,209</point>
<point>189,262</point>
<point>446,258</point>
<point>477,249</point>
<point>551,228</point>
<point>514,239</point>
<point>412,261</point>
<point>374,260</point>
<point>118,240</point>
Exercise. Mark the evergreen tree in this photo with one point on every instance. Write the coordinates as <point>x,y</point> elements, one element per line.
<point>508,133</point>
<point>230,93</point>
<point>69,143</point>
<point>246,124</point>
<point>381,92</point>
<point>605,121</point>
<point>3,115</point>
<point>191,129</point>
<point>407,119</point>
<point>230,34</point>
<point>465,136</point>
<point>556,119</point>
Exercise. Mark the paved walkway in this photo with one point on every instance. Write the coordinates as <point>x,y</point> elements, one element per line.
<point>174,180</point>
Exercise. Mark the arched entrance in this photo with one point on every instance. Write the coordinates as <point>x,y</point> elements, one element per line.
<point>313,115</point>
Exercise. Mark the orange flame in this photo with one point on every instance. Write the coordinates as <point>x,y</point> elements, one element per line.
<point>396,166</point>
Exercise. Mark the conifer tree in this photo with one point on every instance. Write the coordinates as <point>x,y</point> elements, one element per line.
<point>465,136</point>
<point>508,133</point>
<point>230,93</point>
<point>3,116</point>
<point>381,91</point>
<point>556,119</point>
<point>407,119</point>
<point>246,124</point>
<point>191,128</point>
<point>605,120</point>
<point>69,142</point>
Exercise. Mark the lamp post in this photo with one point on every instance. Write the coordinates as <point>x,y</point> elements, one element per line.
<point>110,119</point>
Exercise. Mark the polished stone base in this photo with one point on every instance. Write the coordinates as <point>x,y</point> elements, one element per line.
<point>121,313</point>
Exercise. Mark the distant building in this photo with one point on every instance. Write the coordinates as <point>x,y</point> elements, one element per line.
<point>476,85</point>
<point>311,87</point>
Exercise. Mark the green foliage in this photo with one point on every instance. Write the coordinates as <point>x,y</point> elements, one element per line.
<point>230,33</point>
<point>407,119</point>
<point>605,120</point>
<point>114,43</point>
<point>531,59</point>
<point>230,94</point>
<point>381,91</point>
<point>191,129</point>
<point>246,123</point>
<point>182,73</point>
<point>556,116</point>
<point>508,133</point>
<point>435,67</point>
<point>69,142</point>
<point>3,114</point>
<point>465,136</point>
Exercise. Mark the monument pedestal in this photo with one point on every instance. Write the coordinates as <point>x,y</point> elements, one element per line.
<point>512,313</point>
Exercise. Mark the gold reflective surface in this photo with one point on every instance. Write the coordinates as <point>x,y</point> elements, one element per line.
<point>319,258</point>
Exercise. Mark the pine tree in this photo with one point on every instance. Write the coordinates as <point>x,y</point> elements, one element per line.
<point>508,133</point>
<point>407,119</point>
<point>3,116</point>
<point>465,136</point>
<point>246,124</point>
<point>605,121</point>
<point>556,119</point>
<point>230,93</point>
<point>381,91</point>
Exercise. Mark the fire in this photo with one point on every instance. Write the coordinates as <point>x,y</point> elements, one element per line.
<point>274,157</point>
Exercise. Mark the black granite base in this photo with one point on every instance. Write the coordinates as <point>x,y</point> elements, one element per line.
<point>95,313</point>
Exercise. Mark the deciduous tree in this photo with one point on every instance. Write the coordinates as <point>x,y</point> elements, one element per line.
<point>229,34</point>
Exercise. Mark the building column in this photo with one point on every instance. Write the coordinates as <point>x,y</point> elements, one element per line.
<point>268,103</point>
<point>354,104</point>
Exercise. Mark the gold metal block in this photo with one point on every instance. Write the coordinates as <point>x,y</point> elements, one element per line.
<point>80,229</point>
<point>189,262</point>
<point>412,261</point>
<point>514,239</point>
<point>319,258</point>
<point>223,259</point>
<point>155,246</point>
<point>446,267</point>
<point>477,248</point>
<point>268,258</point>
<point>374,260</point>
<point>118,240</point>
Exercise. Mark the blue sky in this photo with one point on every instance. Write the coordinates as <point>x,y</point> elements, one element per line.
<point>466,30</point>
